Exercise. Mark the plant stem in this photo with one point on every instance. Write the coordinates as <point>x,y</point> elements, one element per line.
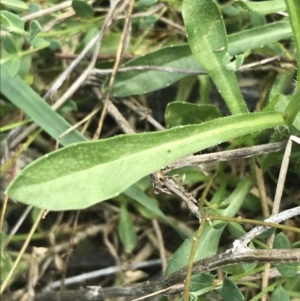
<point>254,222</point>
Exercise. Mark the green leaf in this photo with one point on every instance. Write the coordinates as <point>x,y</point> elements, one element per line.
<point>142,198</point>
<point>15,5</point>
<point>236,230</point>
<point>126,229</point>
<point>32,104</point>
<point>263,8</point>
<point>13,66</point>
<point>201,281</point>
<point>24,66</point>
<point>282,103</point>
<point>147,3</point>
<point>285,269</point>
<point>135,82</point>
<point>83,9</point>
<point>9,44</point>
<point>191,174</point>
<point>280,294</point>
<point>232,65</point>
<point>54,45</point>
<point>39,43</point>
<point>182,113</point>
<point>207,246</point>
<point>11,22</point>
<point>5,260</point>
<point>34,29</point>
<point>266,234</point>
<point>180,57</point>
<point>230,291</point>
<point>69,106</point>
<point>208,42</point>
<point>210,236</point>
<point>86,173</point>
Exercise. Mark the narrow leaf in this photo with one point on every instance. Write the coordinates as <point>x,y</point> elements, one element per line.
<point>126,229</point>
<point>180,57</point>
<point>86,173</point>
<point>142,198</point>
<point>208,42</point>
<point>137,194</point>
<point>32,104</point>
<point>210,236</point>
<point>263,8</point>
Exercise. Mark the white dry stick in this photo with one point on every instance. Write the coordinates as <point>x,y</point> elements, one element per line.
<point>240,245</point>
<point>96,40</point>
<point>52,91</point>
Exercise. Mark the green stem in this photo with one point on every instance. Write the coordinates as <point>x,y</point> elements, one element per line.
<point>270,288</point>
<point>253,222</point>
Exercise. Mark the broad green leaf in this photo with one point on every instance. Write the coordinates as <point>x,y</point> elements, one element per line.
<point>86,173</point>
<point>15,5</point>
<point>208,42</point>
<point>280,294</point>
<point>147,3</point>
<point>209,240</point>
<point>83,174</point>
<point>32,104</point>
<point>126,229</point>
<point>180,57</point>
<point>83,9</point>
<point>34,29</point>
<point>263,8</point>
<point>54,45</point>
<point>11,22</point>
<point>13,66</point>
<point>201,281</point>
<point>182,113</point>
<point>230,291</point>
<point>9,44</point>
<point>236,230</point>
<point>207,246</point>
<point>286,269</point>
<point>39,43</point>
<point>25,66</point>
